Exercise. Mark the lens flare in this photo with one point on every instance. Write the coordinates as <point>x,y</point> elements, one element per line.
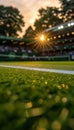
<point>39,41</point>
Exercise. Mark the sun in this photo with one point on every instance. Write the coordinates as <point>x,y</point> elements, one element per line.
<point>42,38</point>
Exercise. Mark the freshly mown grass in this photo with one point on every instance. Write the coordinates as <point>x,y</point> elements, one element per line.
<point>32,100</point>
<point>64,65</point>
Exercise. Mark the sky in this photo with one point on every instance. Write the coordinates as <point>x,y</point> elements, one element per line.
<point>29,8</point>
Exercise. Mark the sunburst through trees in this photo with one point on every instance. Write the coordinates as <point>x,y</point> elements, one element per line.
<point>39,41</point>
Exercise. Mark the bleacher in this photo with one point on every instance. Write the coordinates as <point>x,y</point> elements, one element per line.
<point>60,41</point>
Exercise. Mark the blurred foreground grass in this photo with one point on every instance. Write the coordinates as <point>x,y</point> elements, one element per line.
<point>32,100</point>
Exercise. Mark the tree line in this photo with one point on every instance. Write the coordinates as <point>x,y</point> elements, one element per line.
<point>11,20</point>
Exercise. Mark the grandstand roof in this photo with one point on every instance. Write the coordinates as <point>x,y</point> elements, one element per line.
<point>67,27</point>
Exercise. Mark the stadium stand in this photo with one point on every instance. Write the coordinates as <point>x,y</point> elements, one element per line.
<point>60,41</point>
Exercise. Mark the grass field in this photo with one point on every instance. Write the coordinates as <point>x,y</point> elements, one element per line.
<point>66,65</point>
<point>32,100</point>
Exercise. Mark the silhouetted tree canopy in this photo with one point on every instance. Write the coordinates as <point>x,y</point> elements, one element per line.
<point>48,17</point>
<point>29,32</point>
<point>11,21</point>
<point>29,35</point>
<point>67,9</point>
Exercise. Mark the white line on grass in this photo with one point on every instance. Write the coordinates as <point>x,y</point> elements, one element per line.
<point>39,69</point>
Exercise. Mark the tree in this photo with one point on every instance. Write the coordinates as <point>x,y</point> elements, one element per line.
<point>11,21</point>
<point>29,37</point>
<point>29,32</point>
<point>67,9</point>
<point>48,18</point>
